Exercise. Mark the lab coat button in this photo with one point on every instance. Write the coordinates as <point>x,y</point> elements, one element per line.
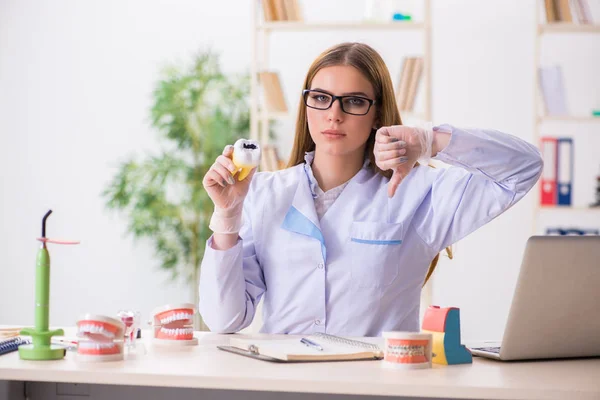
<point>317,322</point>
<point>320,266</point>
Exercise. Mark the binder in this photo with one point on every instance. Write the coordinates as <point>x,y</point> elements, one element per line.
<point>13,344</point>
<point>553,90</point>
<point>334,348</point>
<point>548,179</point>
<point>565,171</point>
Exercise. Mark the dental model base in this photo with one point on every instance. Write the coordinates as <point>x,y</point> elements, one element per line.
<point>444,325</point>
<point>173,325</point>
<point>101,338</point>
<point>41,348</point>
<point>246,156</point>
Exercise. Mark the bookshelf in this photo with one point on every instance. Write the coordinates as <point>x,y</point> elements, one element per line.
<point>319,26</point>
<point>569,209</point>
<point>545,29</point>
<point>262,30</point>
<point>568,118</point>
<point>566,27</point>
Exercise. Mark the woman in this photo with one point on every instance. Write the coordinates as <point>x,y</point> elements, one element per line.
<point>340,241</point>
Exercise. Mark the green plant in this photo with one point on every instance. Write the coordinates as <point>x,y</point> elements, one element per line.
<point>197,111</point>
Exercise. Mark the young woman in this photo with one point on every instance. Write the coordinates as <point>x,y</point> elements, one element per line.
<point>341,240</point>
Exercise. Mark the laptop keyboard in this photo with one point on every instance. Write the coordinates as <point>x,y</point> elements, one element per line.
<point>488,349</point>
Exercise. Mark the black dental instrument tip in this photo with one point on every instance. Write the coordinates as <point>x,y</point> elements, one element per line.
<point>44,223</point>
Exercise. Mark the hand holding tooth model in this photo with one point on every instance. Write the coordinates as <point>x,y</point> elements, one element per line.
<point>227,192</point>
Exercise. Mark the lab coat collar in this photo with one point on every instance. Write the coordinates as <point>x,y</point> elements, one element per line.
<point>301,217</point>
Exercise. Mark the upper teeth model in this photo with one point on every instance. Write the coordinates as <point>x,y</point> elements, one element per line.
<point>246,155</point>
<point>173,325</point>
<point>101,338</point>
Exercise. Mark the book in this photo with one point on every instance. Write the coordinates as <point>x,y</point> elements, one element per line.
<point>10,345</point>
<point>280,11</point>
<point>553,90</point>
<point>270,160</point>
<point>582,11</point>
<point>333,348</point>
<point>403,82</point>
<point>415,79</point>
<point>268,8</point>
<point>558,10</point>
<point>564,11</point>
<point>550,8</point>
<point>408,84</point>
<point>564,176</point>
<point>548,179</point>
<point>274,98</point>
<point>292,10</point>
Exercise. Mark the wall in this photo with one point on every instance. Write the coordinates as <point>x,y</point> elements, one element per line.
<point>75,84</point>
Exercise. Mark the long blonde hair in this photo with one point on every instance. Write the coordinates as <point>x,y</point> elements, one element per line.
<point>366,60</point>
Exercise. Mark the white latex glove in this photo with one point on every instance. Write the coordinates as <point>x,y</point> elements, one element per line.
<point>399,148</point>
<point>226,192</point>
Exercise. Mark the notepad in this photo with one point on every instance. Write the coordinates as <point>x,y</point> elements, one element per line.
<point>335,348</point>
<point>9,345</point>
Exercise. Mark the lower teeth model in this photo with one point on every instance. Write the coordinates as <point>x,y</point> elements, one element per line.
<point>246,156</point>
<point>101,338</point>
<point>173,325</point>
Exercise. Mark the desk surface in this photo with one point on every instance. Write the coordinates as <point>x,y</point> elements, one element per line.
<point>204,366</point>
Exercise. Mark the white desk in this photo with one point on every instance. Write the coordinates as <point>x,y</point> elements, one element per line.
<point>206,367</point>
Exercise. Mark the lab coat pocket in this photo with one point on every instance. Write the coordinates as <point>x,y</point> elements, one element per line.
<point>375,253</point>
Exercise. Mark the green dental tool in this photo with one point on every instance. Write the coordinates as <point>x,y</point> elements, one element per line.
<point>41,348</point>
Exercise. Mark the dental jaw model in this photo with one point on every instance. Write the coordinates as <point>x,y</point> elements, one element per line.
<point>246,156</point>
<point>173,325</point>
<point>101,338</point>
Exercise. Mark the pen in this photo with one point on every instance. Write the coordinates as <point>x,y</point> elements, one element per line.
<point>312,344</point>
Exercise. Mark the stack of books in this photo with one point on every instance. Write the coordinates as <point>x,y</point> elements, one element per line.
<point>281,10</point>
<point>410,77</point>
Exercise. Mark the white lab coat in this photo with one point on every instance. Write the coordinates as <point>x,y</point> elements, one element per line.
<point>359,270</point>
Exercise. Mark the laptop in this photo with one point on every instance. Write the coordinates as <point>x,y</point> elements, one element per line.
<point>555,310</point>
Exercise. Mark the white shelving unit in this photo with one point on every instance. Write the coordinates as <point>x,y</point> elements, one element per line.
<point>261,32</point>
<point>543,30</point>
<point>568,118</point>
<point>319,26</point>
<point>566,27</point>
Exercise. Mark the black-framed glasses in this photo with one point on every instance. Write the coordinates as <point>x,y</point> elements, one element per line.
<point>354,105</point>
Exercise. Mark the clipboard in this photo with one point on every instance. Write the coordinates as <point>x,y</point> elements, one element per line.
<point>252,354</point>
<point>331,348</point>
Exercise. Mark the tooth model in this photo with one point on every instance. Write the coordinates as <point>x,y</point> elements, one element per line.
<point>101,338</point>
<point>246,155</point>
<point>173,325</point>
